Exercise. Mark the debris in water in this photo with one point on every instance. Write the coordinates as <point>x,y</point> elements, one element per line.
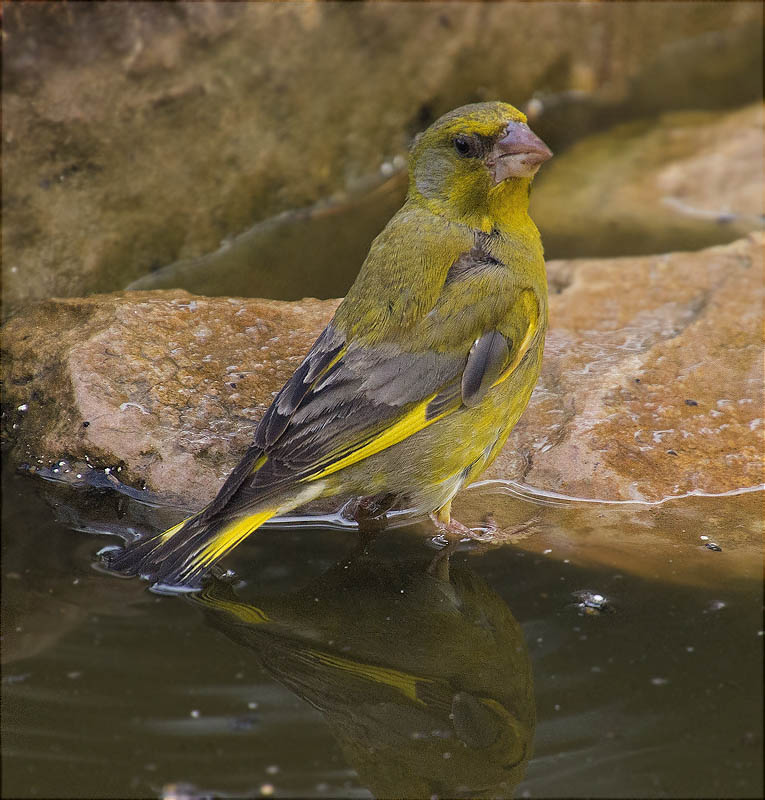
<point>590,602</point>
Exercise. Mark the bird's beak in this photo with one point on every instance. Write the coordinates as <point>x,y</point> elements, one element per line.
<point>518,154</point>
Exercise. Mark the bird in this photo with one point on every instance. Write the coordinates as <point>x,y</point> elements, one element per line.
<point>413,387</point>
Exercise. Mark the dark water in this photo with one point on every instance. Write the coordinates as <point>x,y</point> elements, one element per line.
<point>334,667</point>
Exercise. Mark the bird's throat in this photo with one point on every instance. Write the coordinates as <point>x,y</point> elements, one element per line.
<point>508,203</point>
<point>504,206</point>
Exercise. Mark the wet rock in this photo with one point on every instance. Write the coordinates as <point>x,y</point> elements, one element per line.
<point>161,388</point>
<point>650,386</point>
<point>684,181</point>
<point>652,382</point>
<point>138,134</point>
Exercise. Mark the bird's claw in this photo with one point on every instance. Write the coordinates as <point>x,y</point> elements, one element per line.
<point>452,529</point>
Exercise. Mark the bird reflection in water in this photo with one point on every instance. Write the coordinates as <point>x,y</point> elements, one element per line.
<point>422,675</point>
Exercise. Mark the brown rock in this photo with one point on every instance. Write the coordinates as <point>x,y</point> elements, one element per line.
<point>687,180</point>
<point>652,378</point>
<point>165,386</point>
<point>139,134</point>
<point>651,385</point>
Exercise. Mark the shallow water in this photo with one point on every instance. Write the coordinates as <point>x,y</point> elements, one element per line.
<point>331,667</point>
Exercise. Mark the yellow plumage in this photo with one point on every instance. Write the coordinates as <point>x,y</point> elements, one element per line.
<point>427,365</point>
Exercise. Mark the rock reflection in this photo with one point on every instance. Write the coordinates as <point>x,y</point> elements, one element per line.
<point>424,678</point>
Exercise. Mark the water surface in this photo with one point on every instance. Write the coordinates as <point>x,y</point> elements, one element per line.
<point>335,667</point>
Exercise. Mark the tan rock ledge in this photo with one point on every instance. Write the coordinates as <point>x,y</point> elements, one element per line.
<point>651,386</point>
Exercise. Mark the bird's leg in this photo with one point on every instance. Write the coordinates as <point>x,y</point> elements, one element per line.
<point>450,528</point>
<point>370,514</point>
<point>452,531</point>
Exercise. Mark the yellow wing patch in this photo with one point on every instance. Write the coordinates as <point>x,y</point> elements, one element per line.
<point>259,463</point>
<point>329,366</point>
<point>416,419</point>
<point>412,422</point>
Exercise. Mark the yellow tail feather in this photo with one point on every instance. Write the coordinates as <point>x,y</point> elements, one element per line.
<point>228,538</point>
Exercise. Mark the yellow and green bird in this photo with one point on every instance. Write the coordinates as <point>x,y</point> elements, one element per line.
<point>412,389</point>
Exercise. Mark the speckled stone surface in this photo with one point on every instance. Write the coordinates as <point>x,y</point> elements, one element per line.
<point>652,378</point>
<point>164,385</point>
<point>651,385</point>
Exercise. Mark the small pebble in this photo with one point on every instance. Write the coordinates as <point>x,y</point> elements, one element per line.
<point>713,546</point>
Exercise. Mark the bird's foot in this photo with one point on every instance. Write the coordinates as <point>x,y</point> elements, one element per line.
<point>453,528</point>
<point>450,529</point>
<point>453,533</point>
<point>489,528</point>
<point>491,534</point>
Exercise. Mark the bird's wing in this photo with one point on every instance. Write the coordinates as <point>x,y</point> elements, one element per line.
<point>346,402</point>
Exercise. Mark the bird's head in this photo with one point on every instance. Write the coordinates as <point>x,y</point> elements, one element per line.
<point>474,165</point>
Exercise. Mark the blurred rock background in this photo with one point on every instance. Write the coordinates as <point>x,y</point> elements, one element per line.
<point>136,135</point>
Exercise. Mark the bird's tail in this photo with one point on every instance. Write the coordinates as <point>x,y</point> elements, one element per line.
<point>179,557</point>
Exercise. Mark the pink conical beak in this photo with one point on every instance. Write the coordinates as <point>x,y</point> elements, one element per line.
<point>518,154</point>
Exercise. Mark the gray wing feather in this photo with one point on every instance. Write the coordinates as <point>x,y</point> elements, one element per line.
<point>487,358</point>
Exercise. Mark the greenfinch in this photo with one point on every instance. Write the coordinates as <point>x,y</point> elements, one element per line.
<point>414,386</point>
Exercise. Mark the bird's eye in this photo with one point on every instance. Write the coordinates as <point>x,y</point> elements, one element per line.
<point>463,145</point>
